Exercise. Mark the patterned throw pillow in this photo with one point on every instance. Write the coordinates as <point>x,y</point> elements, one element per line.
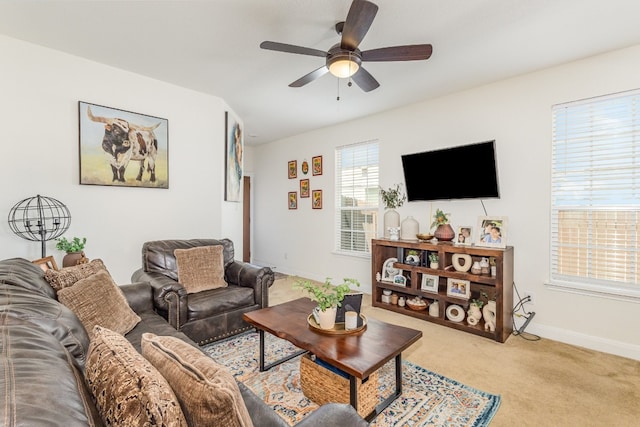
<point>97,300</point>
<point>126,388</point>
<point>60,279</point>
<point>207,392</point>
<point>200,268</point>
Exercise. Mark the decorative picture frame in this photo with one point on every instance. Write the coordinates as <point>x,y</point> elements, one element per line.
<point>492,231</point>
<point>430,283</point>
<point>304,188</point>
<point>316,202</point>
<point>293,169</point>
<point>399,280</point>
<point>458,288</point>
<point>121,148</point>
<point>389,271</point>
<point>233,165</point>
<point>46,263</point>
<point>305,167</point>
<point>464,236</point>
<point>293,200</point>
<point>316,165</point>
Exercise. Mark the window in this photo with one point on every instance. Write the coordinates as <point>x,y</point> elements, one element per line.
<point>595,192</point>
<point>356,197</point>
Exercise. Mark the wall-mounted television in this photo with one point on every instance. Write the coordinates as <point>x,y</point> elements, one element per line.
<point>462,172</point>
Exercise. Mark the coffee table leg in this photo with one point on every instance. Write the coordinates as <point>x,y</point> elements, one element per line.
<point>383,405</point>
<point>264,367</point>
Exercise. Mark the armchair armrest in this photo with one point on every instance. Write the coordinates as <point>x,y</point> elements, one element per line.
<point>251,276</point>
<point>139,296</point>
<point>169,296</point>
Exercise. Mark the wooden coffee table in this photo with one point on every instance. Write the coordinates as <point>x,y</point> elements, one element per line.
<point>359,354</point>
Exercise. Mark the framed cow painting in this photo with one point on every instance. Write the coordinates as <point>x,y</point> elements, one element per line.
<point>122,148</point>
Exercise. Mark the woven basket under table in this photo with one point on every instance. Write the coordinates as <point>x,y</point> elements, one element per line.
<point>323,386</point>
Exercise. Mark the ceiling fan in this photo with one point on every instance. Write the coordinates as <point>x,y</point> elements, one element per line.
<point>345,59</point>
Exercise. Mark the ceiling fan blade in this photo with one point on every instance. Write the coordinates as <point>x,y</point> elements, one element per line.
<point>365,80</point>
<point>289,48</point>
<point>310,77</point>
<point>412,52</point>
<point>359,19</point>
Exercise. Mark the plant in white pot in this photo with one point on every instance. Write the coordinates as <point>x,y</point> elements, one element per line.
<point>392,198</point>
<point>328,297</point>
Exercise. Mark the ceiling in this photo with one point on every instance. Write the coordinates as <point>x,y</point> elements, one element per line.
<point>212,46</point>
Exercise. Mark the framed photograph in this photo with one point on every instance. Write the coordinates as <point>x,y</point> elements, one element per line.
<point>389,271</point>
<point>492,231</point>
<point>458,288</point>
<point>304,188</point>
<point>305,167</point>
<point>293,169</point>
<point>316,163</point>
<point>430,283</point>
<point>399,279</point>
<point>293,200</point>
<point>46,263</point>
<point>234,148</point>
<point>122,148</point>
<point>464,236</point>
<point>317,199</point>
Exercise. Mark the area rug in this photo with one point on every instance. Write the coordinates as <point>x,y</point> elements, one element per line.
<point>428,399</point>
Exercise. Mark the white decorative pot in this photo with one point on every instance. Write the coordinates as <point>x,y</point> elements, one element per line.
<point>409,229</point>
<point>391,219</point>
<point>489,314</point>
<point>327,318</point>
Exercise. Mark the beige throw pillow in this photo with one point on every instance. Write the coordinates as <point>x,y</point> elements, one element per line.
<point>60,279</point>
<point>97,300</point>
<point>200,268</point>
<point>126,388</point>
<point>207,392</point>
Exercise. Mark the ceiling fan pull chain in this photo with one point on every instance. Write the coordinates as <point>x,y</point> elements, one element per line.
<point>338,82</point>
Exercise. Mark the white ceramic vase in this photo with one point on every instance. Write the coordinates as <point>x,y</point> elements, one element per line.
<point>409,229</point>
<point>474,314</point>
<point>489,314</point>
<point>391,219</point>
<point>327,318</point>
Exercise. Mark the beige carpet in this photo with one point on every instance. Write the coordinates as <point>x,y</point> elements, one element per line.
<point>542,383</point>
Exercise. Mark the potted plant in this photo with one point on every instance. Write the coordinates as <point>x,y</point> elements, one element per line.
<point>433,260</point>
<point>74,249</point>
<point>443,231</point>
<point>474,314</point>
<point>392,198</point>
<point>328,297</point>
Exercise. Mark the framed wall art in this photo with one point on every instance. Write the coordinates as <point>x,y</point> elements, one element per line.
<point>464,236</point>
<point>400,280</point>
<point>293,169</point>
<point>317,199</point>
<point>234,148</point>
<point>458,288</point>
<point>304,188</point>
<point>122,148</point>
<point>430,283</point>
<point>293,200</point>
<point>46,263</point>
<point>316,164</point>
<point>492,231</point>
<point>305,167</point>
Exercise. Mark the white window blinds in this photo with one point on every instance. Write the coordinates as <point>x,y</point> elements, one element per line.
<point>356,197</point>
<point>595,215</point>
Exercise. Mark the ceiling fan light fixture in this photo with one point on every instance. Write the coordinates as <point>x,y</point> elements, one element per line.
<point>343,68</point>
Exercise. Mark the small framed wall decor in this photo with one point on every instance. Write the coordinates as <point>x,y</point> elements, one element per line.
<point>492,231</point>
<point>400,280</point>
<point>304,188</point>
<point>293,200</point>
<point>458,288</point>
<point>317,199</point>
<point>316,163</point>
<point>430,283</point>
<point>293,169</point>
<point>464,236</point>
<point>46,263</point>
<point>305,167</point>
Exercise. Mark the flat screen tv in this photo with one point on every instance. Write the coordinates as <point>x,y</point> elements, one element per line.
<point>463,172</point>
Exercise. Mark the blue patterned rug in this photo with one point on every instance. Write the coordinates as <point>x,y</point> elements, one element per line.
<point>428,399</point>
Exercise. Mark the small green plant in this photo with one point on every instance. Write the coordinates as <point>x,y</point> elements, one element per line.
<point>393,197</point>
<point>477,302</point>
<point>440,218</point>
<point>433,257</point>
<point>326,295</point>
<point>69,246</point>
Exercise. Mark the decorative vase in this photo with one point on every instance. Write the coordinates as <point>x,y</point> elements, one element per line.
<point>391,219</point>
<point>72,258</point>
<point>474,314</point>
<point>489,314</point>
<point>434,309</point>
<point>475,268</point>
<point>444,232</point>
<point>327,318</point>
<point>484,266</point>
<point>409,229</point>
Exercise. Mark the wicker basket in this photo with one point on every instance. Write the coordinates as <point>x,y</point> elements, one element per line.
<point>323,386</point>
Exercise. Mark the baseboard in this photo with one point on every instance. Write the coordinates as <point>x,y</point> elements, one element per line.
<point>587,341</point>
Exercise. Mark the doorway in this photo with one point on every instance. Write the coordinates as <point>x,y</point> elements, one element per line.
<point>246,219</point>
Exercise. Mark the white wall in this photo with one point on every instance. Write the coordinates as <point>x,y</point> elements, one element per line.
<point>39,150</point>
<point>517,114</point>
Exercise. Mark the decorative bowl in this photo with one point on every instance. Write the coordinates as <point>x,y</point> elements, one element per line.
<point>416,307</point>
<point>423,236</point>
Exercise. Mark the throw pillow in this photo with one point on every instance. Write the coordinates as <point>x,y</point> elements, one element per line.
<point>207,392</point>
<point>126,388</point>
<point>200,268</point>
<point>60,279</point>
<point>97,300</point>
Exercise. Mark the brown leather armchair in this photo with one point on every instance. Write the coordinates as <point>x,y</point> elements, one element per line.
<point>209,315</point>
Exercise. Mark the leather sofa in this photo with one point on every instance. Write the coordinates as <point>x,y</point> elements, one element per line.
<point>43,348</point>
<point>209,315</point>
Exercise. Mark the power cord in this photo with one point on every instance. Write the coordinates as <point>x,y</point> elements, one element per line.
<point>521,312</point>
